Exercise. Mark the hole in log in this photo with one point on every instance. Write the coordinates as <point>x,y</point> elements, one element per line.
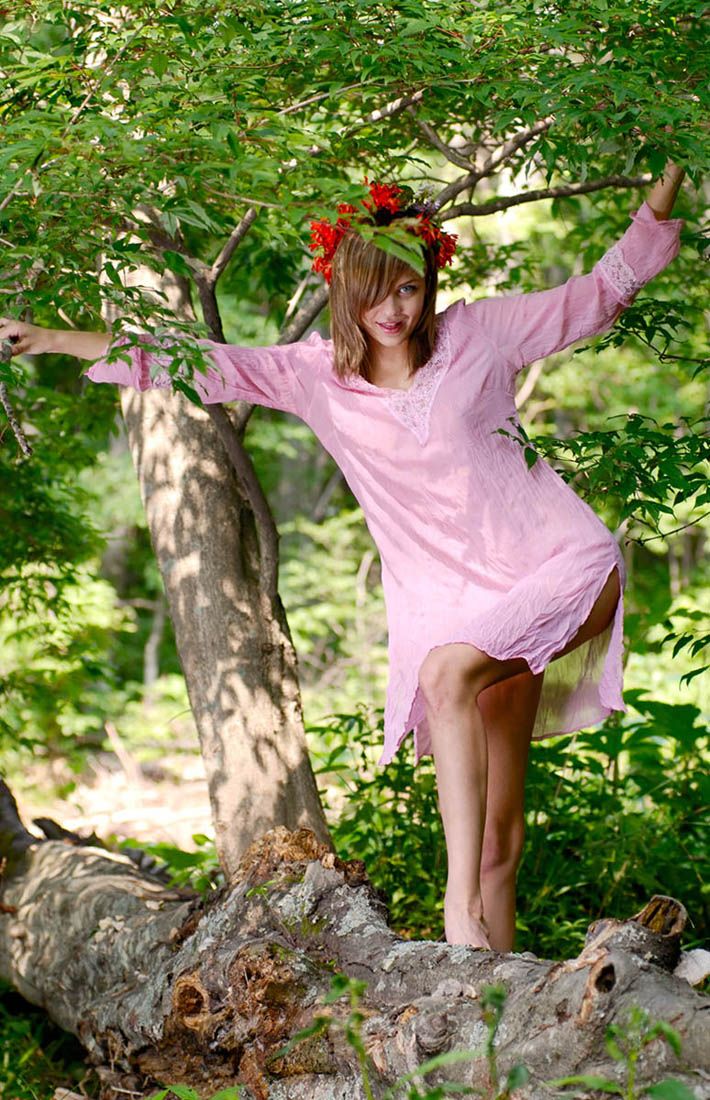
<point>605,979</point>
<point>189,1001</point>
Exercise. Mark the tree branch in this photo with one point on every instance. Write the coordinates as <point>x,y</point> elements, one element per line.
<point>305,316</point>
<point>562,191</point>
<point>492,162</point>
<point>235,239</point>
<point>434,139</point>
<point>16,427</point>
<point>510,147</point>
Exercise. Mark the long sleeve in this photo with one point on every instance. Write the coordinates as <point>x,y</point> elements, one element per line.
<point>280,376</point>
<point>526,327</point>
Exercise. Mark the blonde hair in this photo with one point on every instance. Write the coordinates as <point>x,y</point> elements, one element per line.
<point>362,276</point>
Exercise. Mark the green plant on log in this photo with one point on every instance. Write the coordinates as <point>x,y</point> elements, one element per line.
<point>625,1043</point>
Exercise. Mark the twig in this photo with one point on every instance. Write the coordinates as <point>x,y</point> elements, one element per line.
<point>5,356</point>
<point>445,149</point>
<point>502,154</point>
<point>510,147</point>
<point>665,534</point>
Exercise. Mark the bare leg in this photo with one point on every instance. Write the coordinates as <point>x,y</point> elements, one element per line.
<point>451,681</point>
<point>508,710</point>
<point>451,678</point>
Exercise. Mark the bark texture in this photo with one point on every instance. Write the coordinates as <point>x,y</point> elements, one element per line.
<point>162,988</point>
<point>216,547</point>
<point>235,648</point>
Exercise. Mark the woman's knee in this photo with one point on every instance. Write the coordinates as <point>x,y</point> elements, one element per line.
<point>452,674</point>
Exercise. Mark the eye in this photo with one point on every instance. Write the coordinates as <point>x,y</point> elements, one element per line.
<point>408,288</point>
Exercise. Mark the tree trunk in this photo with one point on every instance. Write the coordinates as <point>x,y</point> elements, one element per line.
<point>231,631</point>
<point>163,988</point>
<point>235,648</point>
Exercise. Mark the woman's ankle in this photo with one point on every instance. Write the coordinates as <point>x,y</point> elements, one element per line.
<point>464,905</point>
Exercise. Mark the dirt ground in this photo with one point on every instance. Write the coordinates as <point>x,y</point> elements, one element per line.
<point>165,804</point>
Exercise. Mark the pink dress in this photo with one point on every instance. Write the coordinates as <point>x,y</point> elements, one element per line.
<point>475,546</point>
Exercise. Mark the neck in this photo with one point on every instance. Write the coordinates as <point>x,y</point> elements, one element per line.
<point>389,362</point>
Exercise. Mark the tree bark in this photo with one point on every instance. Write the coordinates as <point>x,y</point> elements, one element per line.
<point>163,988</point>
<point>231,631</point>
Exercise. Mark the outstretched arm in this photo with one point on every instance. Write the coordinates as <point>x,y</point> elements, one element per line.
<point>526,327</point>
<point>280,376</point>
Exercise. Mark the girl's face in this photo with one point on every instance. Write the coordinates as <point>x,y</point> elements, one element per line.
<point>392,321</point>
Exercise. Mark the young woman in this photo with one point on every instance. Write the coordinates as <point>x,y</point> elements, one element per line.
<point>503,588</point>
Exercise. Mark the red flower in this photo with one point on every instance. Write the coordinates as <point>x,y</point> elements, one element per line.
<point>327,236</point>
<point>447,247</point>
<point>384,196</point>
<point>428,232</point>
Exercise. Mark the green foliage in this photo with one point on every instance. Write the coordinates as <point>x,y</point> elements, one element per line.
<point>641,472</point>
<point>198,869</point>
<point>593,802</point>
<point>35,1056</point>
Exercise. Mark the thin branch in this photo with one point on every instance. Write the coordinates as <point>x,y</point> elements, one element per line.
<point>434,139</point>
<point>13,421</point>
<point>403,103</point>
<point>236,237</point>
<point>305,316</point>
<point>562,191</point>
<point>317,98</point>
<point>510,147</point>
<point>665,534</point>
<point>16,427</point>
<point>529,384</point>
<point>492,162</point>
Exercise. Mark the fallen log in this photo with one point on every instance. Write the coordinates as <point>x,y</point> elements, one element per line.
<point>165,988</point>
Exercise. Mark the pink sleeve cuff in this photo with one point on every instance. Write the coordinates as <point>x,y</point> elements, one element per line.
<point>646,248</point>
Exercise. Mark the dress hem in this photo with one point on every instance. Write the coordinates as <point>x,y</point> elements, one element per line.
<point>537,664</point>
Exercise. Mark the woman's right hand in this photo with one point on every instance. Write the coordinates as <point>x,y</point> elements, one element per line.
<point>28,339</point>
<point>35,340</point>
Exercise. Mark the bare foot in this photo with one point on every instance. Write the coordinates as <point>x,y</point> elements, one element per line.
<point>463,928</point>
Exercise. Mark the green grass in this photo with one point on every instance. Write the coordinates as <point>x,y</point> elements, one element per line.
<point>36,1057</point>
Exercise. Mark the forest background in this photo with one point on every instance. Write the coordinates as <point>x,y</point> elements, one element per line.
<point>150,132</point>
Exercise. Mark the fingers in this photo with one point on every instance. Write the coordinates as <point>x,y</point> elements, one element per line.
<point>12,331</point>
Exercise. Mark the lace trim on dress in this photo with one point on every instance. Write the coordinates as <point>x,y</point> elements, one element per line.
<point>413,406</point>
<point>618,274</point>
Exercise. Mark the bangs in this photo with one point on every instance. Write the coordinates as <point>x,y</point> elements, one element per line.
<point>362,276</point>
<point>370,272</point>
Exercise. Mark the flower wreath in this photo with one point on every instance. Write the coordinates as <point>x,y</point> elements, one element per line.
<point>385,200</point>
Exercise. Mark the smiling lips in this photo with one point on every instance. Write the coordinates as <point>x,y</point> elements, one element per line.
<point>391,328</point>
